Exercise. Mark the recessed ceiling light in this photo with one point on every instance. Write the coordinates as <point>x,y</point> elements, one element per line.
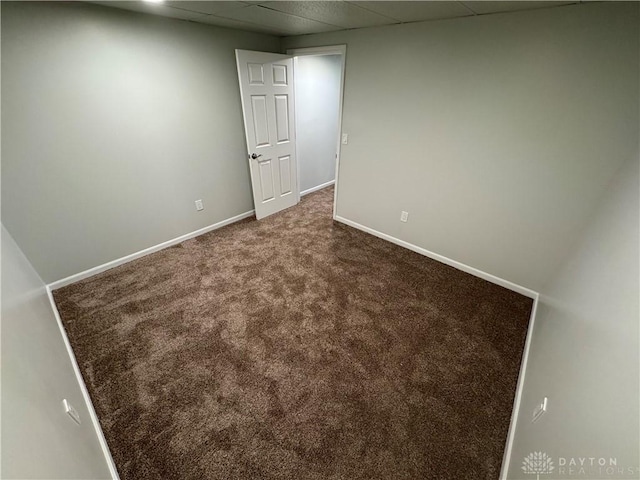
<point>154,1</point>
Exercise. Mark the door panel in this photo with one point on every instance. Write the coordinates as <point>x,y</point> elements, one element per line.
<point>256,74</point>
<point>280,75</point>
<point>282,118</point>
<point>266,180</point>
<point>285,174</point>
<point>260,122</point>
<point>268,111</point>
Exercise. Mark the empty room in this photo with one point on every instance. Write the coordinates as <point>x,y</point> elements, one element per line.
<point>309,240</point>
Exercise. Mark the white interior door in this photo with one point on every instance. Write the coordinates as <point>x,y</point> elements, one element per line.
<point>266,89</point>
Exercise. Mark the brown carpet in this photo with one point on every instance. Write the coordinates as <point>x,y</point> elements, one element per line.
<point>297,348</point>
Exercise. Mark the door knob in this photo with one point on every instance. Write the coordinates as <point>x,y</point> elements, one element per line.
<point>255,155</point>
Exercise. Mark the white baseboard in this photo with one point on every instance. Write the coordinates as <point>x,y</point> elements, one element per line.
<point>120,261</point>
<point>442,259</point>
<point>506,458</point>
<point>85,393</point>
<point>315,189</point>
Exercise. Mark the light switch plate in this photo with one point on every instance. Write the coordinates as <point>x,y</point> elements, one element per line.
<point>345,139</point>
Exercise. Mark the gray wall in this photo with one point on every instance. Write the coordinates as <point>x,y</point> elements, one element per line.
<point>496,133</point>
<point>584,350</point>
<point>39,440</point>
<point>317,117</point>
<point>113,124</point>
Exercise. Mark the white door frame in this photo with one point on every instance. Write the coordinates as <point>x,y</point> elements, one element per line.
<point>326,50</point>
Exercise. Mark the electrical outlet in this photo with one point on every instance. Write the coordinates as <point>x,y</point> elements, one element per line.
<point>199,205</point>
<point>404,216</point>
<point>71,411</point>
<point>540,410</point>
<point>345,139</point>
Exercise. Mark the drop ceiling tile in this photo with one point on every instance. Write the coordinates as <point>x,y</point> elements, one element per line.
<point>278,20</point>
<point>342,14</point>
<point>153,8</point>
<point>236,24</point>
<point>416,11</point>
<point>482,7</point>
<point>206,7</point>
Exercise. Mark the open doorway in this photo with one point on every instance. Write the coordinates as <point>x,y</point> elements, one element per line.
<point>273,122</point>
<point>318,80</point>
<point>319,84</point>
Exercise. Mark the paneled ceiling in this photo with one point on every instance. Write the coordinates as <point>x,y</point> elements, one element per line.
<point>284,18</point>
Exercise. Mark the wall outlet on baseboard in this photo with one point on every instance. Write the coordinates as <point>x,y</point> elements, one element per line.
<point>71,411</point>
<point>199,205</point>
<point>540,410</point>
<point>404,216</point>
